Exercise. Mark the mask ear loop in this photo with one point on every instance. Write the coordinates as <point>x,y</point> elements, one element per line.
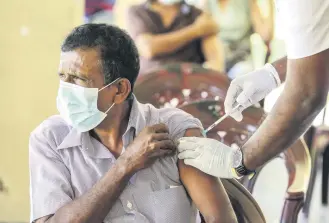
<point>108,84</point>
<point>106,87</point>
<point>109,108</point>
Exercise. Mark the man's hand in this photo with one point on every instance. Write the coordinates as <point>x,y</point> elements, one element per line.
<point>209,155</point>
<point>151,143</point>
<point>249,89</point>
<point>205,25</point>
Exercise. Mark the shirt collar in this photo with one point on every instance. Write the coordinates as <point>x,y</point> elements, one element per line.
<point>137,121</point>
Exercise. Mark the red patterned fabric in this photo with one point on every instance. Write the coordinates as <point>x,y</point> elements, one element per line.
<point>93,6</point>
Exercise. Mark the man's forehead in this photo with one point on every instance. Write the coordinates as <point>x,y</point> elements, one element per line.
<point>79,59</point>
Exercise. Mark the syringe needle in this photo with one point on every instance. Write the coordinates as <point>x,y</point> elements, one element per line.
<point>221,119</point>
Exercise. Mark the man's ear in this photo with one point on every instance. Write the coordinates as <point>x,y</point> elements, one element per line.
<point>124,89</point>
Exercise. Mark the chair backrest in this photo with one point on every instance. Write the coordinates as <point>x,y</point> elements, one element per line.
<point>178,83</point>
<point>244,205</point>
<point>297,159</point>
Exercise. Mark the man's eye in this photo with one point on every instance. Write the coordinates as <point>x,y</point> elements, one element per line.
<point>79,79</point>
<point>61,76</point>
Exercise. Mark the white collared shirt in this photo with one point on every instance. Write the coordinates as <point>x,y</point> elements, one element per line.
<point>65,164</point>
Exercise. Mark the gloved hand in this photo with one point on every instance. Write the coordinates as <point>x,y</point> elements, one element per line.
<point>209,156</point>
<point>249,89</point>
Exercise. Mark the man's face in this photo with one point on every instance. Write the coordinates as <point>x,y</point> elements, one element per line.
<point>84,68</point>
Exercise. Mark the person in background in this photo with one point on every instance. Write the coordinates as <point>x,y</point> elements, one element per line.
<point>107,157</point>
<point>172,31</point>
<point>238,20</point>
<point>99,11</point>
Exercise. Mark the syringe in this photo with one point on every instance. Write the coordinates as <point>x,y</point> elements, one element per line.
<point>221,119</point>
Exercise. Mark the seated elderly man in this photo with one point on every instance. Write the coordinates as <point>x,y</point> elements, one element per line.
<point>107,157</point>
<point>168,31</point>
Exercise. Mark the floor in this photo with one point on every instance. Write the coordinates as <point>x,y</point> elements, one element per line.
<point>269,193</point>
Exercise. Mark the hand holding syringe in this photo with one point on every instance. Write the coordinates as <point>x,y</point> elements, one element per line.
<point>221,119</point>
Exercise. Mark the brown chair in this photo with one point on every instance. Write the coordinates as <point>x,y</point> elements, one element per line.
<point>178,83</point>
<point>320,150</point>
<point>234,133</point>
<point>244,205</point>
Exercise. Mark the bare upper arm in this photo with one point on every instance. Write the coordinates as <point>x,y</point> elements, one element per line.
<point>207,192</point>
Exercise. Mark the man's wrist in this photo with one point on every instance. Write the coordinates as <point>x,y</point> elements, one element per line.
<point>125,165</point>
<point>242,169</point>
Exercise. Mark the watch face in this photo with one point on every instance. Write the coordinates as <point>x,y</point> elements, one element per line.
<point>237,158</point>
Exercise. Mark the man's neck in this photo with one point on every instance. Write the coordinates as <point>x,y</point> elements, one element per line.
<point>111,130</point>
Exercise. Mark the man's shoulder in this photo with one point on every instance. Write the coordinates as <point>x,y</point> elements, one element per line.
<point>171,112</point>
<point>176,116</point>
<point>53,127</point>
<point>177,120</point>
<point>165,113</point>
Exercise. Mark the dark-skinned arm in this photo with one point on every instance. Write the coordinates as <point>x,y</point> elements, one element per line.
<point>96,203</point>
<point>207,192</point>
<point>304,96</point>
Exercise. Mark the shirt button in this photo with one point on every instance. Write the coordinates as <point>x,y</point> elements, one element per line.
<point>129,205</point>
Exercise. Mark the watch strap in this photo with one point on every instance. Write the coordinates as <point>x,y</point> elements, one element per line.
<point>242,170</point>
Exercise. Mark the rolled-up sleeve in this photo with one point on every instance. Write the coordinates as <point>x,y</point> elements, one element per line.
<point>179,121</point>
<point>50,186</point>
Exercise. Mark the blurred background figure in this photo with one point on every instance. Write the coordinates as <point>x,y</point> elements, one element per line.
<point>99,11</point>
<point>238,20</point>
<point>172,31</point>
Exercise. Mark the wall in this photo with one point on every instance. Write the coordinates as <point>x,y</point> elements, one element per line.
<point>31,34</point>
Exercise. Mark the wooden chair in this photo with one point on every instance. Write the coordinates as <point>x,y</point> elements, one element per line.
<point>244,205</point>
<point>234,133</point>
<point>178,83</point>
<point>320,150</point>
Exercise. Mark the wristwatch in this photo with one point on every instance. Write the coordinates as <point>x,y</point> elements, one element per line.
<point>238,165</point>
<point>237,157</point>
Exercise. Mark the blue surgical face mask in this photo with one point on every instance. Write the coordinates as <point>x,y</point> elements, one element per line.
<point>78,106</point>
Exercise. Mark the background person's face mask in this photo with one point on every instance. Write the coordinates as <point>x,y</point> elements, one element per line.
<point>170,2</point>
<point>78,106</point>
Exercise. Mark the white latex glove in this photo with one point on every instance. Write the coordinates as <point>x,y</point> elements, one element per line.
<point>249,89</point>
<point>209,156</point>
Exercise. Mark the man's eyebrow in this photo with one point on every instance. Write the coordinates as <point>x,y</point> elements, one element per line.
<point>84,76</point>
<point>79,75</point>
